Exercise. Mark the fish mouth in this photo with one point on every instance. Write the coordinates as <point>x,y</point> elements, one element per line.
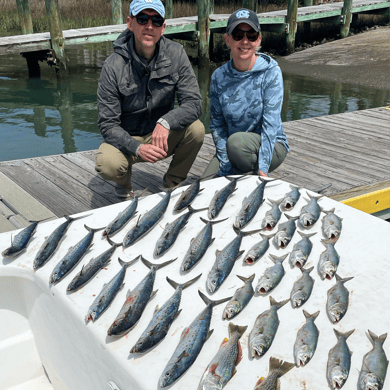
<point>328,276</point>
<point>249,260</point>
<point>257,351</point>
<point>269,226</point>
<point>134,349</point>
<point>288,206</point>
<point>298,264</point>
<point>262,290</point>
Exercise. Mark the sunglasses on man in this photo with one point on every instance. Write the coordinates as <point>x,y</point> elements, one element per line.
<point>239,34</point>
<point>157,20</point>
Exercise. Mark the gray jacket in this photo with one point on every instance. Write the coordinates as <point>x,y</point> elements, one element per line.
<point>132,96</point>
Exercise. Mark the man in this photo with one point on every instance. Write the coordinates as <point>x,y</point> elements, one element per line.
<point>136,95</point>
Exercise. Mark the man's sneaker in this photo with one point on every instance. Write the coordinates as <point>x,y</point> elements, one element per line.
<point>123,192</point>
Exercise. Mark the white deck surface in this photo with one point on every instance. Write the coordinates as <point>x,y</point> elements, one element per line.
<point>364,249</point>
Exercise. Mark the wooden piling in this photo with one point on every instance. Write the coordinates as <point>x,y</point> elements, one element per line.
<point>346,17</point>
<point>168,9</point>
<point>250,4</point>
<point>25,19</point>
<point>306,25</point>
<point>116,12</point>
<point>291,20</point>
<point>203,28</point>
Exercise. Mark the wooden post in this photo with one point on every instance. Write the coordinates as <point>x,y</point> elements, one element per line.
<point>291,20</point>
<point>306,25</point>
<point>56,37</point>
<point>116,12</point>
<point>346,15</point>
<point>203,28</point>
<point>250,4</point>
<point>168,9</point>
<point>25,19</point>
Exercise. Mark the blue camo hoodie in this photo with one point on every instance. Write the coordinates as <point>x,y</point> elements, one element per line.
<point>247,102</point>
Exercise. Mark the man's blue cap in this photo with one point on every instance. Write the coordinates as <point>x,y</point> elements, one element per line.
<point>136,6</point>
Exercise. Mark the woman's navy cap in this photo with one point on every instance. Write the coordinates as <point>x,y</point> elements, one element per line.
<point>243,15</point>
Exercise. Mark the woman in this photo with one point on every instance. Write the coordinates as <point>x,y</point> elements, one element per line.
<point>246,97</point>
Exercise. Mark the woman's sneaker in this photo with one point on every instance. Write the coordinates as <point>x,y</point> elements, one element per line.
<point>123,192</point>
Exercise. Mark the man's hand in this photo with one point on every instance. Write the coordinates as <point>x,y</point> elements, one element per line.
<point>151,153</point>
<point>160,137</point>
<point>261,173</point>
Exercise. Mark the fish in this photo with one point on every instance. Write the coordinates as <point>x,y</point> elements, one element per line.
<point>374,367</point>
<point>291,198</point>
<point>162,318</point>
<point>329,261</point>
<point>311,212</point>
<point>302,288</point>
<point>220,197</point>
<point>285,232</point>
<point>136,301</point>
<point>108,292</point>
<point>223,365</point>
<point>148,221</point>
<point>240,299</point>
<point>199,245</point>
<point>264,329</point>
<point>251,204</point>
<point>191,342</point>
<point>225,260</point>
<point>272,216</point>
<point>331,225</point>
<point>188,195</point>
<point>52,242</point>
<point>277,368</point>
<point>120,221</point>
<point>72,257</point>
<point>258,250</point>
<point>301,251</point>
<point>171,232</point>
<point>92,268</point>
<point>339,361</point>
<point>306,342</point>
<point>338,299</point>
<point>272,276</point>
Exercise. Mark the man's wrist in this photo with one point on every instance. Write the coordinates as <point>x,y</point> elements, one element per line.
<point>164,123</point>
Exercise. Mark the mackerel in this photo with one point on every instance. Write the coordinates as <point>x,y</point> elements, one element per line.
<point>302,288</point>
<point>258,250</point>
<point>338,300</point>
<point>329,261</point>
<point>285,232</point>
<point>277,368</point>
<point>291,198</point>
<point>311,212</point>
<point>188,195</point>
<point>272,276</point>
<point>301,251</point>
<point>191,342</point>
<point>272,216</point>
<point>331,225</point>
<point>108,292</point>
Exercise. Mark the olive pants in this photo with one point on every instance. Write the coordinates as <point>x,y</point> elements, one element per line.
<point>243,153</point>
<point>113,165</point>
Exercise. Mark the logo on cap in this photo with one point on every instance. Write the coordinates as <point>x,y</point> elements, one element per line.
<point>242,14</point>
<point>148,1</point>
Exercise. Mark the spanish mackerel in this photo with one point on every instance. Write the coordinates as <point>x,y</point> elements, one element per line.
<point>331,225</point>
<point>277,368</point>
<point>311,212</point>
<point>172,230</point>
<point>223,365</point>
<point>188,195</point>
<point>258,250</point>
<point>136,301</point>
<point>92,268</point>
<point>338,300</point>
<point>291,198</point>
<point>73,256</point>
<point>285,232</point>
<point>302,288</point>
<point>108,292</point>
<point>272,276</point>
<point>225,260</point>
<point>52,242</point>
<point>329,261</point>
<point>272,216</point>
<point>301,250</point>
<point>162,318</point>
<point>191,342</point>
<point>199,245</point>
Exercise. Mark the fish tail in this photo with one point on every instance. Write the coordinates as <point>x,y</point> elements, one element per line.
<point>238,231</point>
<point>278,202</point>
<point>249,279</point>
<point>325,243</point>
<point>182,285</point>
<point>190,208</point>
<point>71,219</point>
<point>375,339</point>
<point>212,222</point>
<point>267,235</point>
<point>289,217</point>
<point>339,335</point>
<point>209,301</point>
<point>276,258</point>
<point>323,188</point>
<point>237,178</point>
<point>314,196</point>
<point>112,243</point>
<point>93,230</point>
<point>138,194</point>
<point>306,270</point>
<point>313,316</point>
<point>236,329</point>
<point>308,235</point>
<point>277,304</point>
<point>279,367</point>
<point>343,280</point>
<point>329,211</point>
<point>128,263</point>
<point>157,266</point>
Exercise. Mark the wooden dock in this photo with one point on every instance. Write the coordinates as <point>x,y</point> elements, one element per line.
<point>349,150</point>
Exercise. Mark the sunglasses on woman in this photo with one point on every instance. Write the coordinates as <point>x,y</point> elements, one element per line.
<point>157,20</point>
<point>238,34</point>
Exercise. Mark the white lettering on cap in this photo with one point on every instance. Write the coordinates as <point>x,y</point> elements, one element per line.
<point>148,1</point>
<point>239,14</point>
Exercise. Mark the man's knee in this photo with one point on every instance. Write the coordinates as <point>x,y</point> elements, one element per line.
<point>111,166</point>
<point>196,131</point>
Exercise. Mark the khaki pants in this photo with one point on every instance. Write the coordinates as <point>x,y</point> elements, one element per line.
<point>113,165</point>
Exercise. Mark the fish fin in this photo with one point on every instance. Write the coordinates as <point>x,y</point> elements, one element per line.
<point>240,253</point>
<point>280,366</point>
<point>129,263</point>
<point>343,280</point>
<point>345,335</point>
<point>187,284</point>
<point>307,315</point>
<point>128,292</point>
<point>139,217</point>
<point>112,243</point>
<point>306,270</point>
<point>177,314</point>
<point>276,258</point>
<point>239,354</point>
<point>209,334</point>
<point>269,236</point>
<point>156,309</point>
<point>329,211</point>
<point>217,252</point>
<point>249,279</point>
<point>152,295</point>
<point>92,230</point>
<point>190,208</point>
<point>236,328</point>
<point>280,304</point>
<point>208,301</point>
<point>211,241</point>
<point>152,330</point>
<point>308,235</point>
<point>182,355</point>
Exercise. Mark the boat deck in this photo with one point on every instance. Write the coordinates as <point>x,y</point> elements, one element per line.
<point>349,150</point>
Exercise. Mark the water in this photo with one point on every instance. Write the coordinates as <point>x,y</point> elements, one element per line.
<point>46,116</point>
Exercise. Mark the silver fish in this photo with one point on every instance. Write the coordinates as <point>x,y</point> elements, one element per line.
<point>302,288</point>
<point>136,301</point>
<point>374,368</point>
<point>285,232</point>
<point>301,251</point>
<point>264,330</point>
<point>338,299</point>
<point>199,245</point>
<point>108,292</point>
<point>291,198</point>
<point>331,225</point>
<point>311,212</point>
<point>223,365</point>
<point>339,361</point>
<point>188,195</point>
<point>162,318</point>
<point>277,368</point>
<point>306,342</point>
<point>272,216</point>
<point>240,299</point>
<point>329,261</point>
<point>191,342</point>
<point>258,250</point>
<point>272,276</point>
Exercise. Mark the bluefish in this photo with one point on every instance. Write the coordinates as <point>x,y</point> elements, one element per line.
<point>277,368</point>
<point>272,216</point>
<point>258,250</point>
<point>108,292</point>
<point>331,225</point>
<point>73,256</point>
<point>191,342</point>
<point>136,301</point>
<point>338,300</point>
<point>188,195</point>
<point>306,342</point>
<point>272,276</point>
<point>339,361</point>
<point>264,329</point>
<point>329,261</point>
<point>199,245</point>
<point>291,198</point>
<point>285,232</point>
<point>172,230</point>
<point>223,365</point>
<point>240,299</point>
<point>302,288</point>
<point>311,212</point>
<point>301,251</point>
